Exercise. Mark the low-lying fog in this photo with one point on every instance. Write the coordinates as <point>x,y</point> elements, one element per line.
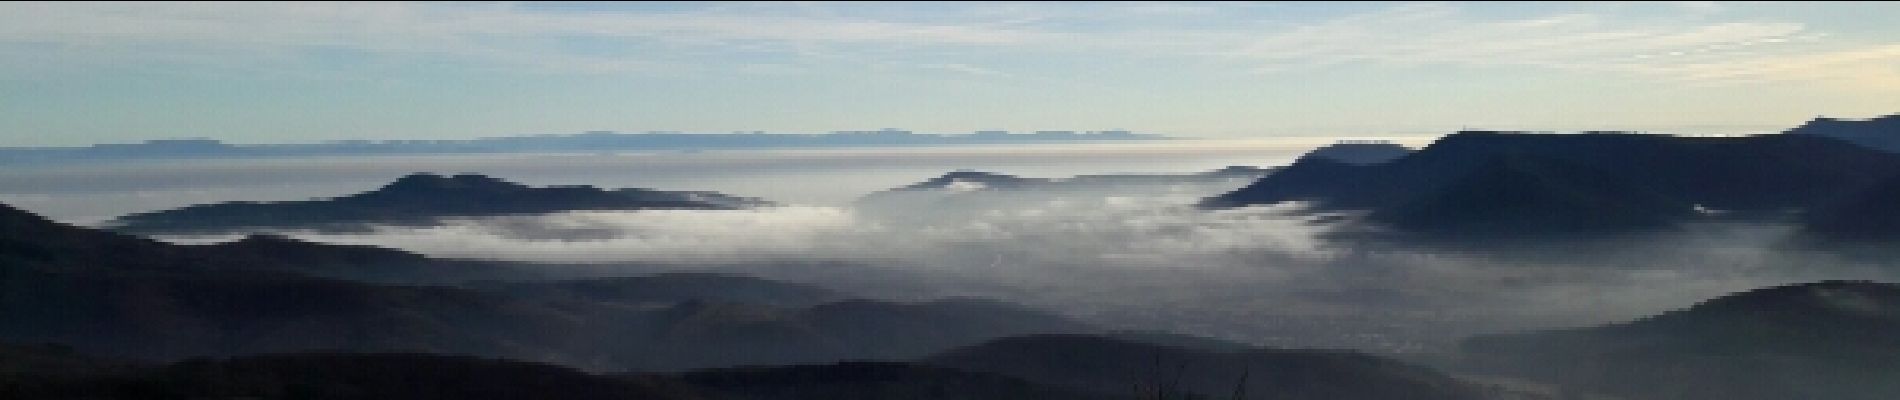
<point>1134,257</point>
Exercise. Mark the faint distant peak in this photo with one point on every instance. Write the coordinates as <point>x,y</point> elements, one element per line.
<point>429,182</point>
<point>1360,152</point>
<point>1843,127</point>
<point>1882,133</point>
<point>973,180</point>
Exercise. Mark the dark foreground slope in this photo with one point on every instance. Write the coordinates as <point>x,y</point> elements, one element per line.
<point>872,380</point>
<point>1824,340</point>
<point>427,376</point>
<point>1115,367</point>
<point>343,376</point>
<point>415,199</point>
<point>1089,368</point>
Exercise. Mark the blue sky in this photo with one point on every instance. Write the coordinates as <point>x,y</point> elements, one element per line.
<point>73,74</point>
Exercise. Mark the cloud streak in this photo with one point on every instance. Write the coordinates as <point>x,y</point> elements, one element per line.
<point>1692,46</point>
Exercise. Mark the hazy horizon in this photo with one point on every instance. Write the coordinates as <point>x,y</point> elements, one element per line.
<point>85,73</point>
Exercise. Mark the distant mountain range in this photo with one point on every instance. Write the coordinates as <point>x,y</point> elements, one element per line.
<point>590,142</point>
<point>1823,340</point>
<point>1504,183</point>
<point>416,199</point>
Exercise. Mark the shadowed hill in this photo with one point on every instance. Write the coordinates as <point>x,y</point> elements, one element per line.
<point>702,334</point>
<point>1359,152</point>
<point>1831,339</point>
<point>871,380</point>
<point>957,196</point>
<point>266,252</point>
<point>415,199</point>
<point>124,296</point>
<point>1633,178</point>
<point>1115,367</point>
<point>669,288</point>
<point>351,376</point>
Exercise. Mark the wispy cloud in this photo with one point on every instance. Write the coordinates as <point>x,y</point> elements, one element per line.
<point>1694,50</point>
<point>1693,46</point>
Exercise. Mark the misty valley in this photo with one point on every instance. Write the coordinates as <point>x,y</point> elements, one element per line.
<point>1475,265</point>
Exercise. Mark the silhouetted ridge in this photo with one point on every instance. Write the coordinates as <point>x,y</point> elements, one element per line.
<point>429,184</point>
<point>1881,133</point>
<point>1808,306</point>
<point>1829,339</point>
<point>417,199</point>
<point>871,380</point>
<point>973,180</point>
<point>1634,177</point>
<point>1359,152</point>
<point>1112,367</point>
<point>350,376</point>
<point>278,253</point>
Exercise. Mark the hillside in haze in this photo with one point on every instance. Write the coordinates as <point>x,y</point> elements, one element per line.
<point>1116,367</point>
<point>124,296</point>
<point>416,199</point>
<point>1822,340</point>
<point>958,194</point>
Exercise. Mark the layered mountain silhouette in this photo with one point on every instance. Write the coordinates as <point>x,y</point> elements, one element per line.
<point>420,198</point>
<point>1518,183</point>
<point>427,376</point>
<point>1880,133</point>
<point>123,296</point>
<point>1056,367</point>
<point>1121,368</point>
<point>1822,340</point>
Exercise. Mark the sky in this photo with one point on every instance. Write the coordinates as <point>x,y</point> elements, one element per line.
<point>83,73</point>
